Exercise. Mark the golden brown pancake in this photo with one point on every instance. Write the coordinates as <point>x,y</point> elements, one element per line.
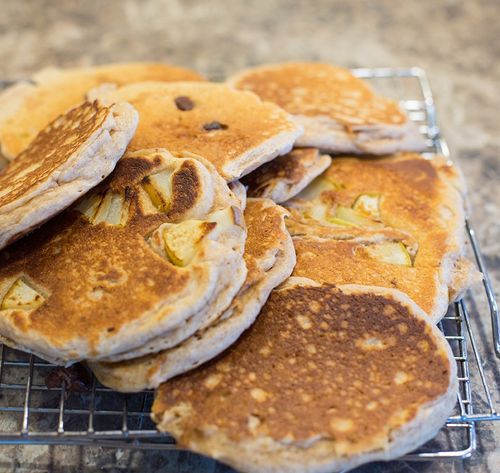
<point>28,108</point>
<point>339,112</point>
<point>234,130</point>
<point>269,257</point>
<point>284,177</point>
<point>326,379</point>
<point>401,218</point>
<point>67,158</point>
<point>136,258</point>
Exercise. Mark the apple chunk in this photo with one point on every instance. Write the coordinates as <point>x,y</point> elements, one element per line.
<point>390,252</point>
<point>368,204</point>
<point>21,296</point>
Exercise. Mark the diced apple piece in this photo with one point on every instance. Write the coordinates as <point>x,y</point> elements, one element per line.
<point>354,217</point>
<point>89,205</point>
<point>368,204</point>
<point>109,208</point>
<point>21,296</point>
<point>317,187</point>
<point>339,221</point>
<point>159,189</point>
<point>390,252</point>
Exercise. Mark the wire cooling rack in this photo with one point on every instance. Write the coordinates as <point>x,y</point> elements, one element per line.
<point>30,413</point>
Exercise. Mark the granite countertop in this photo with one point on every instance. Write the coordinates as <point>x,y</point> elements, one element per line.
<point>456,42</point>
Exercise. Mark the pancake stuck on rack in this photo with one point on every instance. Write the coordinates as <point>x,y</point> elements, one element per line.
<point>269,257</point>
<point>339,112</point>
<point>326,379</point>
<point>234,130</point>
<point>70,156</point>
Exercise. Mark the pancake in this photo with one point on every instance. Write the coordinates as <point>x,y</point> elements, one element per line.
<point>234,130</point>
<point>269,256</point>
<point>27,108</point>
<point>284,177</point>
<point>395,221</point>
<point>326,379</point>
<point>339,112</point>
<point>134,259</point>
<point>70,156</point>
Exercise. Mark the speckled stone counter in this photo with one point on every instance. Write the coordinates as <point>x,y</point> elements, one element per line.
<point>455,41</point>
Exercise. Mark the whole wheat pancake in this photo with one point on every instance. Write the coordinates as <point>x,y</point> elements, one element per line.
<point>326,379</point>
<point>234,130</point>
<point>70,156</point>
<point>269,256</point>
<point>285,176</point>
<point>395,221</point>
<point>134,259</point>
<point>27,108</point>
<point>339,112</point>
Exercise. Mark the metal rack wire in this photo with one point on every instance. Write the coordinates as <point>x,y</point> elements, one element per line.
<point>30,413</point>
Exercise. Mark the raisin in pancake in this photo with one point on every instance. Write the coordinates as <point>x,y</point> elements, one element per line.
<point>71,155</point>
<point>136,258</point>
<point>27,108</point>
<point>326,379</point>
<point>234,130</point>
<point>269,256</point>
<point>401,218</point>
<point>339,112</point>
<point>284,177</point>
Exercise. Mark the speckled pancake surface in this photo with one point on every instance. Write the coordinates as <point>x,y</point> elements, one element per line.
<point>401,218</point>
<point>26,108</point>
<point>285,176</point>
<point>67,158</point>
<point>133,259</point>
<point>326,379</point>
<point>269,257</point>
<point>339,112</point>
<point>234,130</point>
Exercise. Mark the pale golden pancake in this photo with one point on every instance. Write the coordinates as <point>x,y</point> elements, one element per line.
<point>326,379</point>
<point>234,130</point>
<point>28,108</point>
<point>284,177</point>
<point>133,260</point>
<point>67,158</point>
<point>339,112</point>
<point>269,256</point>
<point>396,222</point>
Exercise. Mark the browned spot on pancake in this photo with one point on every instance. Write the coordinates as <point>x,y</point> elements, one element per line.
<point>186,187</point>
<point>51,148</point>
<point>133,172</point>
<point>332,384</point>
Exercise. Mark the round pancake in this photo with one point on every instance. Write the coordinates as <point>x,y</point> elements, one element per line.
<point>28,108</point>
<point>339,112</point>
<point>269,257</point>
<point>285,176</point>
<point>234,130</point>
<point>70,156</point>
<point>134,259</point>
<point>417,208</point>
<point>326,379</point>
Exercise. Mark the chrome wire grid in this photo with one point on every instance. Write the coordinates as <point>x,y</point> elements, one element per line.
<point>31,413</point>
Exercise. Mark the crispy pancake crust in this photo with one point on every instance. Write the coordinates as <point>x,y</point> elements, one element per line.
<point>326,379</point>
<point>269,257</point>
<point>28,108</point>
<point>339,112</point>
<point>70,156</point>
<point>234,130</point>
<point>421,204</point>
<point>105,283</point>
<point>284,177</point>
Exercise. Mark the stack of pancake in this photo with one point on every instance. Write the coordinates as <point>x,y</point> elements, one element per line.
<point>141,233</point>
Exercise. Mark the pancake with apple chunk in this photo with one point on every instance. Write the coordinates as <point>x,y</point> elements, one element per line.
<point>339,112</point>
<point>326,379</point>
<point>234,130</point>
<point>136,258</point>
<point>70,156</point>
<point>284,177</point>
<point>269,256</point>
<point>400,217</point>
<point>27,108</point>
